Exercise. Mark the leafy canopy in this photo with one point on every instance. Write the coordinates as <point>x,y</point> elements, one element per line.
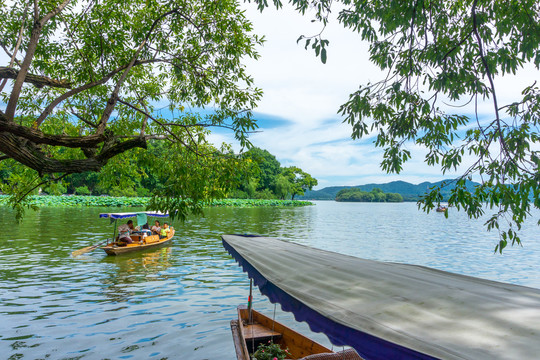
<point>441,56</point>
<point>91,82</point>
<point>265,178</point>
<point>299,180</point>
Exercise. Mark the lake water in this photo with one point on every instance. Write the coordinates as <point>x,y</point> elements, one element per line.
<point>176,302</point>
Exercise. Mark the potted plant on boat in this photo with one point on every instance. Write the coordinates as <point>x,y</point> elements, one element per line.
<point>270,351</point>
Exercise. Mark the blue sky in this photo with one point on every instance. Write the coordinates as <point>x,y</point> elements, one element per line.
<point>298,114</point>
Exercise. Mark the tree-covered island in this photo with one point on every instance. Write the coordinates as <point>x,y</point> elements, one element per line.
<point>375,195</point>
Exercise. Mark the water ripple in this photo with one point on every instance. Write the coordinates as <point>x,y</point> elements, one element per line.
<point>177,301</point>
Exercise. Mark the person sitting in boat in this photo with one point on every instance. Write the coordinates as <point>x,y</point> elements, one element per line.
<point>156,229</point>
<point>165,231</point>
<point>124,232</point>
<point>146,230</point>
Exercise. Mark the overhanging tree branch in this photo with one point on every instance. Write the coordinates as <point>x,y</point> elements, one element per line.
<point>38,80</point>
<point>28,154</point>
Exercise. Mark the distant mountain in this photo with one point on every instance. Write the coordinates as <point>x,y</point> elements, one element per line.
<point>410,192</point>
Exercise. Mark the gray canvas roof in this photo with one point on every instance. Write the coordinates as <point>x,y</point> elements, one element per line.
<point>440,314</point>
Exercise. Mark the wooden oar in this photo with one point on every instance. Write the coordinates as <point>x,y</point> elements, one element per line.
<point>88,249</point>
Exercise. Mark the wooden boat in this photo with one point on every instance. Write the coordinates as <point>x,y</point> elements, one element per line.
<point>442,208</point>
<point>139,243</point>
<point>387,310</point>
<point>263,329</point>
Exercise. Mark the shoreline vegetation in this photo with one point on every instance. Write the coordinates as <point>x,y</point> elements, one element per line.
<point>123,201</point>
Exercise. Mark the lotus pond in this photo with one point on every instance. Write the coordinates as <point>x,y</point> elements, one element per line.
<point>110,201</point>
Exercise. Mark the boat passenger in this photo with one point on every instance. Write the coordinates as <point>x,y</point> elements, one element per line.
<point>165,231</point>
<point>145,230</point>
<point>124,232</point>
<point>156,229</point>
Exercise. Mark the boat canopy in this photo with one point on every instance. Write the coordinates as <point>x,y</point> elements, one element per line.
<point>393,311</point>
<point>132,214</point>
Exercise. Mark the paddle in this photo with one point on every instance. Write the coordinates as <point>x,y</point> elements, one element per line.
<point>88,249</point>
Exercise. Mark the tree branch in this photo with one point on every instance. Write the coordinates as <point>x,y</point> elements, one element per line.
<point>37,80</point>
<point>38,185</point>
<point>48,110</point>
<point>29,155</point>
<point>38,137</point>
<point>160,124</point>
<point>114,96</point>
<point>54,12</point>
<point>30,51</point>
<point>17,44</point>
<point>490,78</point>
<point>8,53</point>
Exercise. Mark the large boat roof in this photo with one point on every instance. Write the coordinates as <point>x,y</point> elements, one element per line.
<point>390,310</point>
<point>132,214</point>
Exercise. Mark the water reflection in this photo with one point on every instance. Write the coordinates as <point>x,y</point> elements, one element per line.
<point>176,301</point>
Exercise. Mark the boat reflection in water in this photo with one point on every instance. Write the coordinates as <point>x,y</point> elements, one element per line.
<point>128,271</point>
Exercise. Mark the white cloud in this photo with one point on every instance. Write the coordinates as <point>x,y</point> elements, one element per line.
<point>299,88</point>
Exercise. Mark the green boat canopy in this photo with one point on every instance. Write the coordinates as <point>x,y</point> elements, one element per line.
<point>390,310</point>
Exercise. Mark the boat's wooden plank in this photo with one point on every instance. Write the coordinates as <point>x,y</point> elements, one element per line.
<point>258,331</point>
<point>239,342</point>
<point>300,346</point>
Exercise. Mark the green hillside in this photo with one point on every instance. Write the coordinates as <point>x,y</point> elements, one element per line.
<point>410,192</point>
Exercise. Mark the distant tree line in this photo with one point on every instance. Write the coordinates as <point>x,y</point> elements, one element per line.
<point>375,195</point>
<point>259,176</point>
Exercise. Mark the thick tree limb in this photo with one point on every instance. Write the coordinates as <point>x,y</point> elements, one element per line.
<point>21,76</point>
<point>28,154</point>
<point>38,137</point>
<point>37,80</point>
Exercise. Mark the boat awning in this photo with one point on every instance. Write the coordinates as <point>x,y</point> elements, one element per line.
<point>132,214</point>
<point>393,311</point>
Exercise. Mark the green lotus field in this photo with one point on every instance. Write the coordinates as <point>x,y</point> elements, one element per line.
<point>110,201</point>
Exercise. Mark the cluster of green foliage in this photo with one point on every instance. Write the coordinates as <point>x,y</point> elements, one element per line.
<point>138,173</point>
<point>270,351</point>
<point>437,57</point>
<point>375,195</point>
<point>110,201</point>
<point>81,86</point>
<point>267,179</point>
